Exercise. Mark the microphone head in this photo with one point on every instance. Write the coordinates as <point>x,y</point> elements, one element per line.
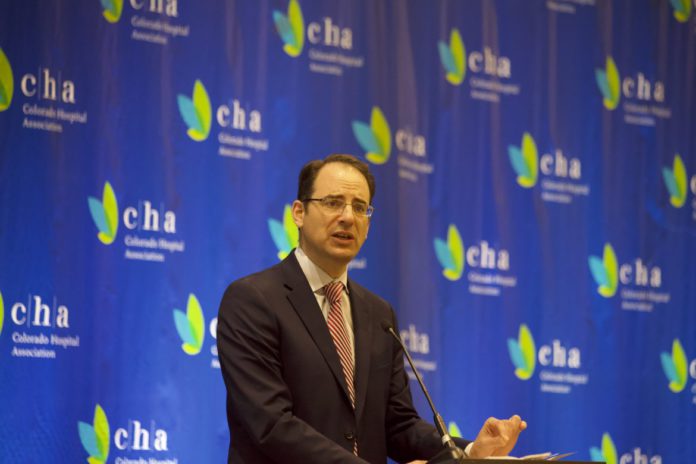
<point>386,325</point>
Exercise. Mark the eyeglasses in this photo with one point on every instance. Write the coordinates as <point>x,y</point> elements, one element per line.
<point>338,205</point>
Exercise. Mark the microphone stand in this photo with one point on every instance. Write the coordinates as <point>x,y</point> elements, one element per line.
<point>450,454</point>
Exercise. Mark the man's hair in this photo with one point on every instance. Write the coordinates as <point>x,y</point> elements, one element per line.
<point>309,172</point>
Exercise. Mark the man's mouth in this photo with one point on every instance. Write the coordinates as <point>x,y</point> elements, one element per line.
<point>343,235</point>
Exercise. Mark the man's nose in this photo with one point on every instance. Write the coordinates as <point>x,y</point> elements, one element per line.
<point>347,215</point>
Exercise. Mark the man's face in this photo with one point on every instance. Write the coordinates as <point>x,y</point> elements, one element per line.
<point>332,239</point>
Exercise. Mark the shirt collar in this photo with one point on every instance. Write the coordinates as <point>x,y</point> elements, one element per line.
<point>315,275</point>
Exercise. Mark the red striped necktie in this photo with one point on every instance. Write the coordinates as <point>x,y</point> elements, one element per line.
<point>339,334</point>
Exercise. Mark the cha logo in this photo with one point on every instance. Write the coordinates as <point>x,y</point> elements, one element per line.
<point>38,314</point>
<point>454,60</point>
<point>636,87</point>
<point>196,112</point>
<point>526,163</point>
<point>48,85</point>
<point>190,326</point>
<point>291,29</point>
<point>453,430</point>
<point>374,139</point>
<point>112,9</point>
<point>96,437</point>
<point>105,214</point>
<point>675,365</point>
<point>135,437</point>
<point>608,454</point>
<point>285,235</point>
<point>6,82</point>
<point>453,57</point>
<point>197,115</point>
<point>523,353</point>
<point>145,217</point>
<point>682,10</point>
<point>676,182</point>
<point>608,83</point>
<point>604,272</point>
<point>452,255</point>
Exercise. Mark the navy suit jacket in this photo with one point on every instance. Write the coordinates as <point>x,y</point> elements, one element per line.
<point>286,394</point>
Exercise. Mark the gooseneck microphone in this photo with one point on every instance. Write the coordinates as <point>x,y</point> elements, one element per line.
<point>453,453</point>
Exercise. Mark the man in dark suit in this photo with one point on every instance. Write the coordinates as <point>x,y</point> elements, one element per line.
<point>310,374</point>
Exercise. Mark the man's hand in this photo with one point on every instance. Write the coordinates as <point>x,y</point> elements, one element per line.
<point>497,437</point>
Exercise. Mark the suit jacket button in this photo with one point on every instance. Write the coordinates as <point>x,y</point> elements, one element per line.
<point>349,436</point>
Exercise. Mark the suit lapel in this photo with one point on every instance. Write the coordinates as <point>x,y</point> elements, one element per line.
<point>305,304</point>
<point>362,326</point>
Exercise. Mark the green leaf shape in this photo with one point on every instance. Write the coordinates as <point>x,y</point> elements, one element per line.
<point>201,103</point>
<point>102,432</point>
<point>291,230</point>
<point>679,172</point>
<point>2,312</point>
<point>611,267</point>
<point>458,53</point>
<point>680,362</point>
<point>608,449</point>
<point>613,84</point>
<point>453,430</point>
<point>456,248</point>
<point>197,323</point>
<point>682,10</point>
<point>111,214</point>
<point>528,349</point>
<point>113,13</point>
<point>6,82</point>
<point>297,25</point>
<point>382,132</point>
<point>530,155</point>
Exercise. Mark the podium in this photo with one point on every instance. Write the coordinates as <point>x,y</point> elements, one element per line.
<point>454,456</point>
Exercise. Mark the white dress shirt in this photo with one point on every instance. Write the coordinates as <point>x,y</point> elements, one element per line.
<point>317,279</point>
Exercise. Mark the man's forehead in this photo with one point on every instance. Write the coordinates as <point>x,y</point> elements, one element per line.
<point>338,179</point>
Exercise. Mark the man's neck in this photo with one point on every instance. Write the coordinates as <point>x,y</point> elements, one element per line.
<point>334,271</point>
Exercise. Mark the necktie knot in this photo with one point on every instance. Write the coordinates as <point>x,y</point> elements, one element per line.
<point>333,291</point>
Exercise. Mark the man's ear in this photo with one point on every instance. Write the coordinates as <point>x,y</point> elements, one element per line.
<point>298,212</point>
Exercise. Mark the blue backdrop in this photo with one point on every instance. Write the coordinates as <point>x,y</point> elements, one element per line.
<point>535,223</point>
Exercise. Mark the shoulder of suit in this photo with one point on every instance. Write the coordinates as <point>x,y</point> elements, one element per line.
<point>366,294</point>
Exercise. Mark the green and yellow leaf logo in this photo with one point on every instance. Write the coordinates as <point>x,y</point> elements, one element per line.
<point>112,10</point>
<point>675,180</point>
<point>604,272</point>
<point>674,367</point>
<point>682,10</point>
<point>450,254</point>
<point>607,453</point>
<point>375,139</point>
<point>105,214</point>
<point>2,313</point>
<point>6,82</point>
<point>95,437</point>
<point>608,83</point>
<point>190,326</point>
<point>285,235</point>
<point>453,430</point>
<point>453,57</point>
<point>196,112</point>
<point>525,161</point>
<point>291,28</point>
<point>523,353</point>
